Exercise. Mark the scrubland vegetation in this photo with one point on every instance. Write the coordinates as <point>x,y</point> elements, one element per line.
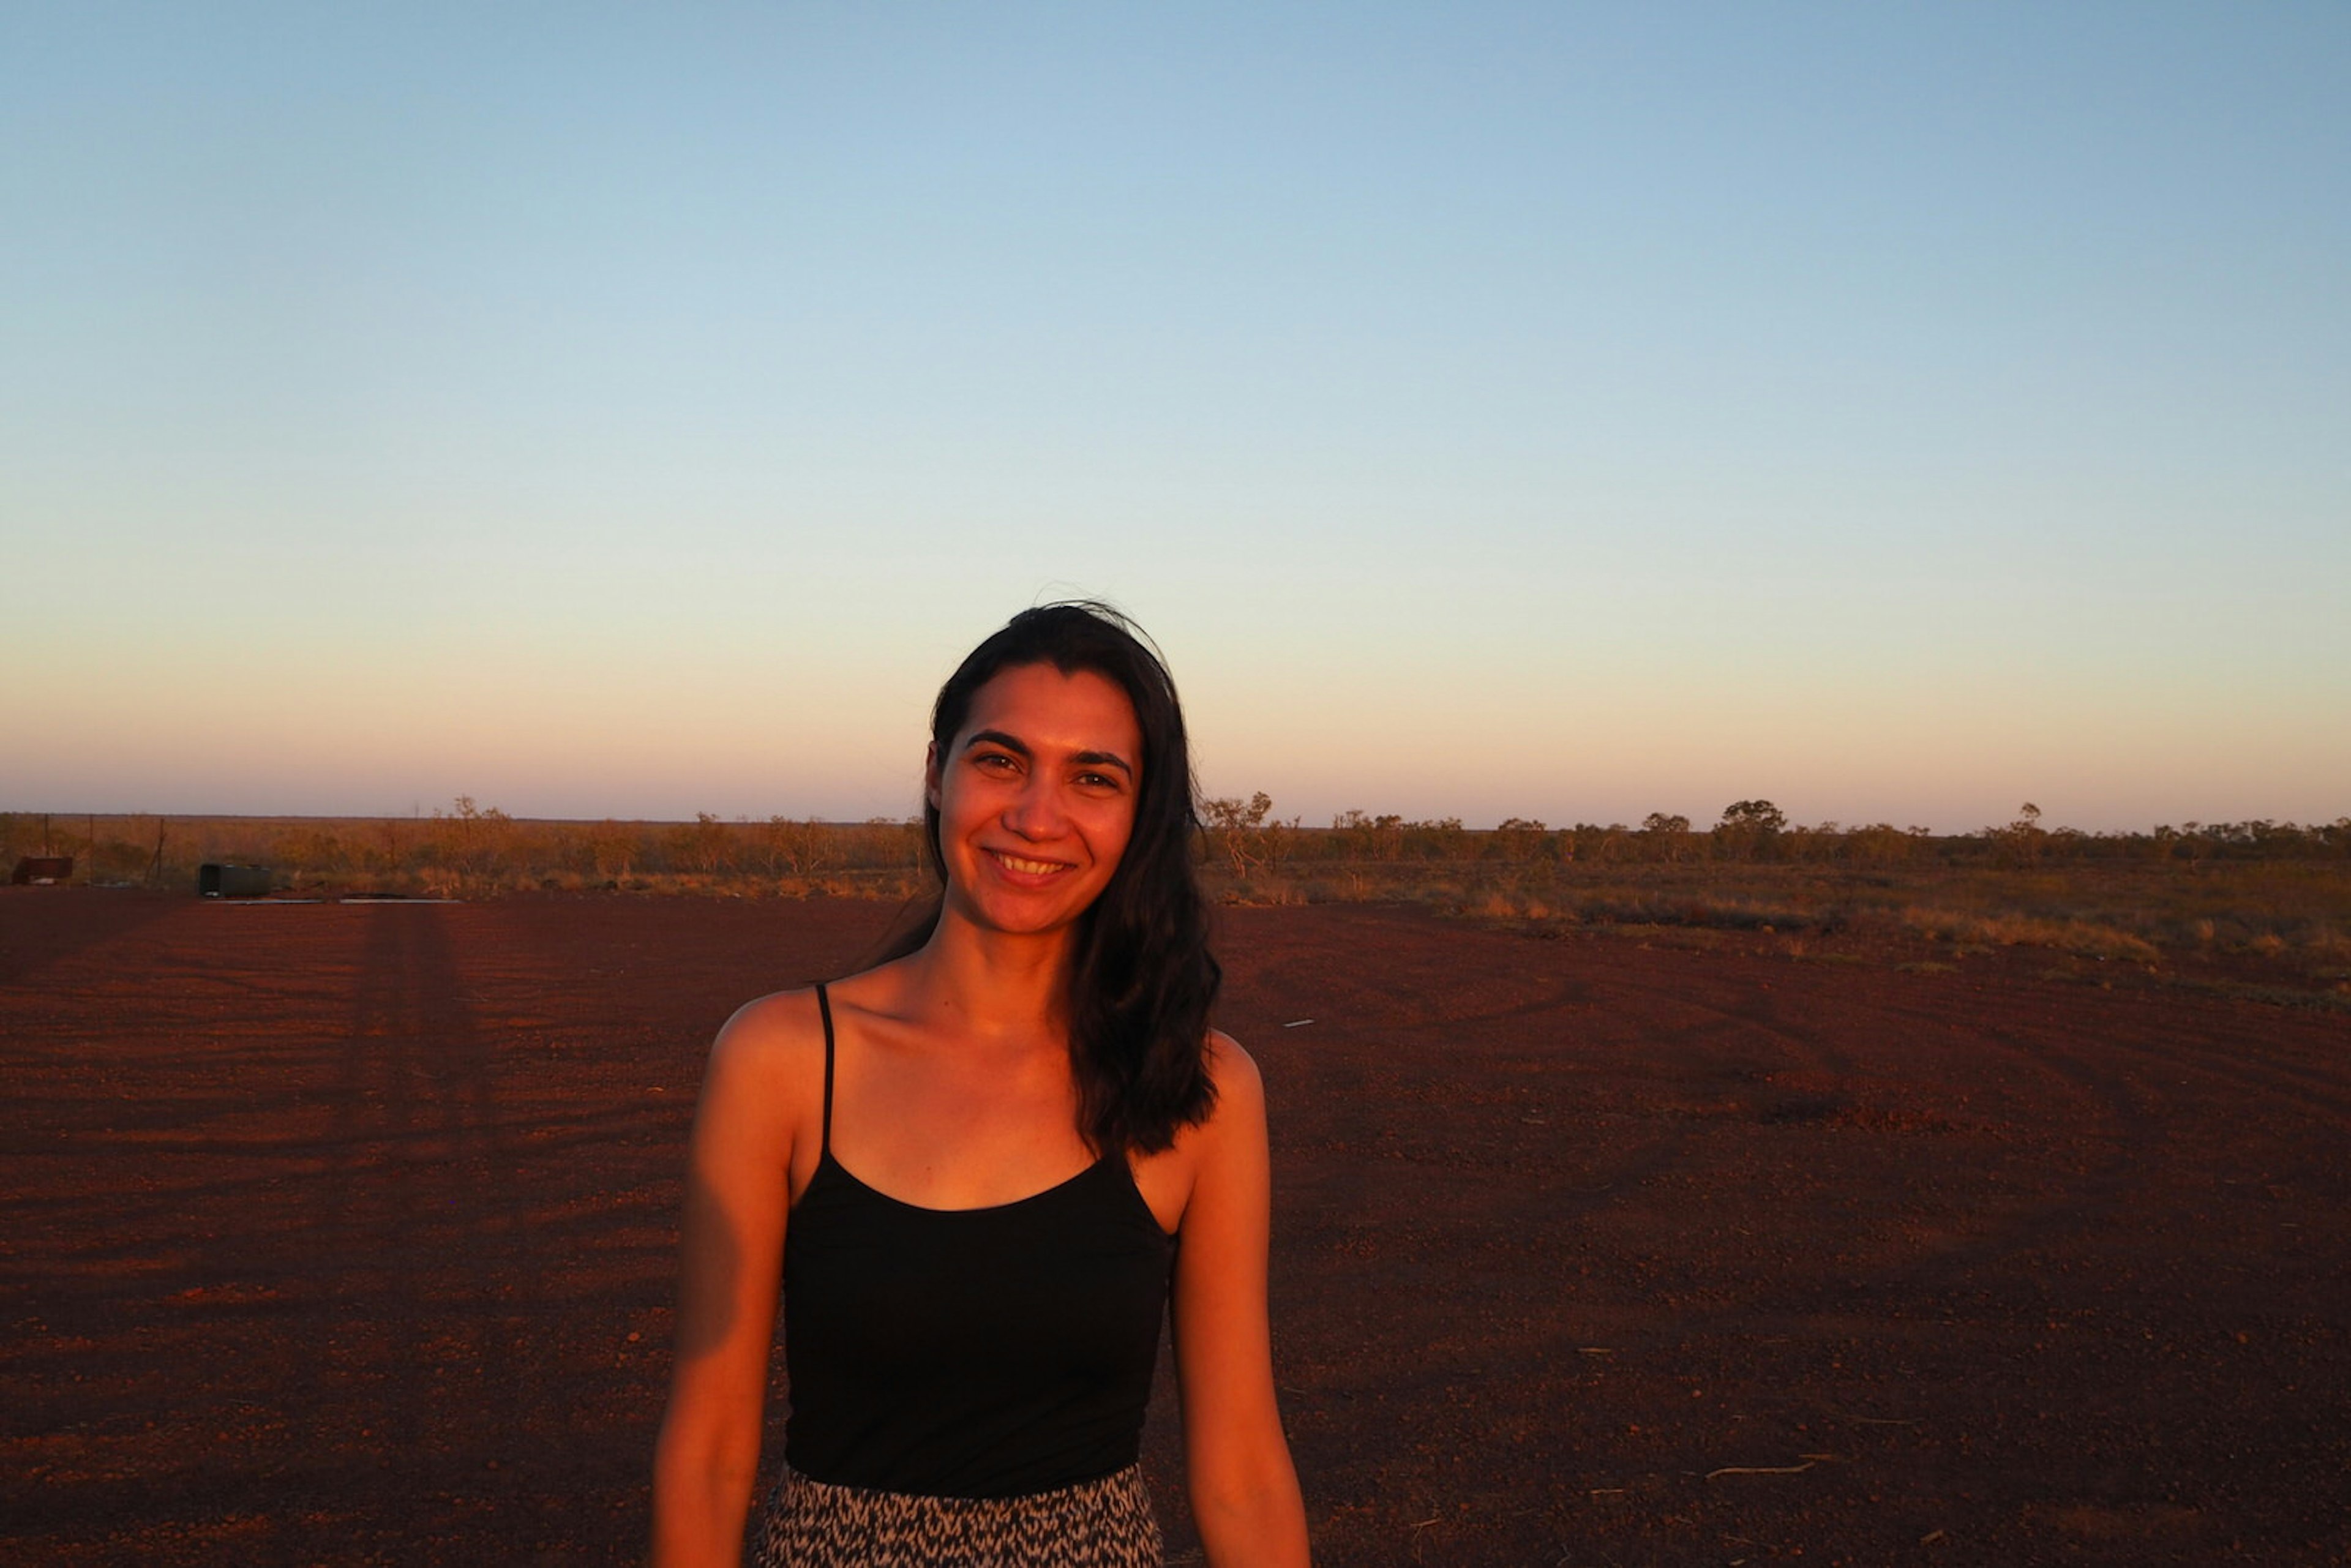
<point>469,850</point>
<point>2254,890</point>
<point>2240,890</point>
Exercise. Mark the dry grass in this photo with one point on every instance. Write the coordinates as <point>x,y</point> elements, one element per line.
<point>466,851</point>
<point>2287,916</point>
<point>2289,911</point>
<point>2086,937</point>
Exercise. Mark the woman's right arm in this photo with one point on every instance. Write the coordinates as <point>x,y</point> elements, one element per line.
<point>731,1241</point>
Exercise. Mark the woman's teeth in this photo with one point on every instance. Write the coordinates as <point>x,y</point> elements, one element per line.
<point>1027,868</point>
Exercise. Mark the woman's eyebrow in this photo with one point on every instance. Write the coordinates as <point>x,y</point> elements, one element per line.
<point>1019,748</point>
<point>1011,743</point>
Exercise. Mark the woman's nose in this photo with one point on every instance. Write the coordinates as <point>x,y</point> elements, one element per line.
<point>1035,812</point>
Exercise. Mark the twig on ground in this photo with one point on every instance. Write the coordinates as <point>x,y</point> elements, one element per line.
<point>1761,1469</point>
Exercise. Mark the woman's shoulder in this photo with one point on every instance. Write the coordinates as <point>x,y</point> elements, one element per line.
<point>784,1032</point>
<point>778,1020</point>
<point>1229,1068</point>
<point>1237,1104</point>
<point>774,1044</point>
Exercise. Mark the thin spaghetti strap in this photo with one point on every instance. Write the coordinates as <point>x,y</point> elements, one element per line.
<point>824,1006</point>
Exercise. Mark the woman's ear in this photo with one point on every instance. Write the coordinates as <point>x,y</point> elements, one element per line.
<point>931,776</point>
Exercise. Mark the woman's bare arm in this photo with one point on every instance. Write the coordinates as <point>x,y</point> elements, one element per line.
<point>737,1189</point>
<point>1243,1487</point>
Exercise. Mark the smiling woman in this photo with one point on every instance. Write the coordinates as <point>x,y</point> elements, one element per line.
<point>1035,802</point>
<point>979,1175</point>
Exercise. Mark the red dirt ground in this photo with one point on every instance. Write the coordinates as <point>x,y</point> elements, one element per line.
<point>342,1234</point>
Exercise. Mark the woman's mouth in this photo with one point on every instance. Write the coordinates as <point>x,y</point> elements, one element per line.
<point>1029,868</point>
<point>1026,867</point>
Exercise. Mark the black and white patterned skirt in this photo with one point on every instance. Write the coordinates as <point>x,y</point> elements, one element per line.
<point>1105,1524</point>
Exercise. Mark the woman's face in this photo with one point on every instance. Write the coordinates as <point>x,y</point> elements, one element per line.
<point>1036,796</point>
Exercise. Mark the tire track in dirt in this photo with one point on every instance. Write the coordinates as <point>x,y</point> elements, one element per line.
<point>2110,1112</point>
<point>1767,1101</point>
<point>2127,1133</point>
<point>2113,1111</point>
<point>2307,1090</point>
<point>41,927</point>
<point>1688,1025</point>
<point>2133,1133</point>
<point>410,1205</point>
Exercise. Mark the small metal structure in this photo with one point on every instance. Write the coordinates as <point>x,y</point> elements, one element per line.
<point>215,880</point>
<point>41,871</point>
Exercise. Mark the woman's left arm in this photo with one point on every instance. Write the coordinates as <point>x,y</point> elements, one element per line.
<point>1243,1487</point>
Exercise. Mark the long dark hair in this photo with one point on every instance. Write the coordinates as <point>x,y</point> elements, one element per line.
<point>1142,979</point>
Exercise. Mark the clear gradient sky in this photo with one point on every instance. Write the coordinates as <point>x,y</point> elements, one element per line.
<point>1567,412</point>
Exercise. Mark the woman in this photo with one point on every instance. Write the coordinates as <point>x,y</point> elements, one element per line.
<point>976,1172</point>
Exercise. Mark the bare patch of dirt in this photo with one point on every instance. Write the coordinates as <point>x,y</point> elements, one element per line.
<point>344,1233</point>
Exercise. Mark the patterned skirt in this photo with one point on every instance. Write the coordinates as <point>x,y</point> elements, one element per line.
<point>1105,1524</point>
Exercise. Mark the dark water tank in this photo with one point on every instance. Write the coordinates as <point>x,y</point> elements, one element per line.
<point>233,881</point>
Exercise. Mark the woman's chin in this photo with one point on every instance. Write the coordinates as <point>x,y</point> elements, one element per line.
<point>1015,911</point>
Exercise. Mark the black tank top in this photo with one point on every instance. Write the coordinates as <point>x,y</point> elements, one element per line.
<point>970,1352</point>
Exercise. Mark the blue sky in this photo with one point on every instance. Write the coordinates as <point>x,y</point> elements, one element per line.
<point>1899,413</point>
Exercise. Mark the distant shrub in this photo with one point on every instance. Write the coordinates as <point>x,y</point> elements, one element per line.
<point>1520,839</point>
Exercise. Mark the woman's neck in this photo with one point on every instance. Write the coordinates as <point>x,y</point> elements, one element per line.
<point>993,984</point>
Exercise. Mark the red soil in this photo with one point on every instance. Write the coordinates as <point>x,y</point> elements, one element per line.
<point>342,1234</point>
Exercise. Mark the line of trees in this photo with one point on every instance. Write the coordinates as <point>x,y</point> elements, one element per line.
<point>466,842</point>
<point>1247,837</point>
<point>472,844</point>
